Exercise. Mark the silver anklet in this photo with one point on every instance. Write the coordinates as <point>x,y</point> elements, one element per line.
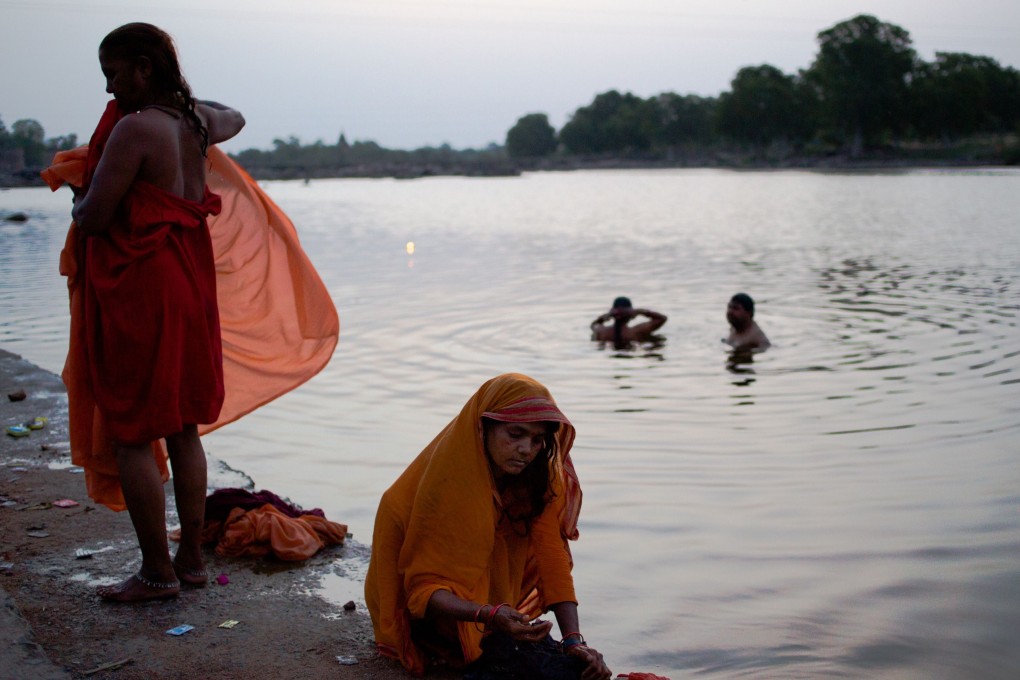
<point>156,584</point>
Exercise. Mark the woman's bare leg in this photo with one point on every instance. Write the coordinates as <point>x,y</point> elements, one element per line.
<point>146,503</point>
<point>187,457</point>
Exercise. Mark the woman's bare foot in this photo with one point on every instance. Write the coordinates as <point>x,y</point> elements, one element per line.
<point>137,588</point>
<point>191,576</point>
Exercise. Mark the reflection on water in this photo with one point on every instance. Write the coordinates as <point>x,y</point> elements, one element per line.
<point>842,505</point>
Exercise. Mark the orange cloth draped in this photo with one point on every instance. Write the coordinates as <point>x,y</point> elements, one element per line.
<point>263,530</point>
<point>278,324</point>
<point>438,527</point>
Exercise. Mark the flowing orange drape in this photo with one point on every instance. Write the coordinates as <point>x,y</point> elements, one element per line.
<point>279,326</point>
<point>438,527</point>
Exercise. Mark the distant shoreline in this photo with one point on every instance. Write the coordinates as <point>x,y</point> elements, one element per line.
<point>514,167</point>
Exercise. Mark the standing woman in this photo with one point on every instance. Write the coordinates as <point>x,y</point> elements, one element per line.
<point>145,345</point>
<point>470,544</point>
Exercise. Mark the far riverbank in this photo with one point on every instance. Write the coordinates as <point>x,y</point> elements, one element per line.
<point>496,164</point>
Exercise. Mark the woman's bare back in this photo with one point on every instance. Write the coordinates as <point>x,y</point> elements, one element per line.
<point>175,163</point>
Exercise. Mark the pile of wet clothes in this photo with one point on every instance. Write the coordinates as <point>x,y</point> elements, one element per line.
<point>246,523</point>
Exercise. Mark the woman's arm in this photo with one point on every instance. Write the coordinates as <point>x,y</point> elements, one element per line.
<point>575,644</point>
<point>444,604</point>
<point>121,161</point>
<point>221,121</point>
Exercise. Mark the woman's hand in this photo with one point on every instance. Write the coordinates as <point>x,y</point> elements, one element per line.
<point>595,666</point>
<point>516,625</point>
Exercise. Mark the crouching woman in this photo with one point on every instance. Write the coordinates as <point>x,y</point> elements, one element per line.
<point>470,544</point>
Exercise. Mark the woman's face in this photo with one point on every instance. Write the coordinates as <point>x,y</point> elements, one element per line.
<point>125,79</point>
<point>512,446</point>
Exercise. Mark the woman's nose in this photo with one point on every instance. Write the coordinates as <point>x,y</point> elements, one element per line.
<point>530,448</point>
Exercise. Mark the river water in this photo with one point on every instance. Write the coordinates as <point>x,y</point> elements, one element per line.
<point>847,505</point>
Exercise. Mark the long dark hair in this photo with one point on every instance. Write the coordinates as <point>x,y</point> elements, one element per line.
<point>135,40</point>
<point>526,494</point>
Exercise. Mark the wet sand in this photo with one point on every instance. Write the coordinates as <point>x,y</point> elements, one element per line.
<point>52,624</point>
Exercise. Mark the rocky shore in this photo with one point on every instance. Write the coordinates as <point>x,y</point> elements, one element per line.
<point>53,555</point>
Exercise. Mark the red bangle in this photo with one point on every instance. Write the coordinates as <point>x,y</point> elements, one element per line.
<point>477,612</point>
<point>492,614</point>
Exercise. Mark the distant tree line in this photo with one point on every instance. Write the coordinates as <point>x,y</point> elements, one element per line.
<point>291,159</point>
<point>866,89</point>
<point>25,146</point>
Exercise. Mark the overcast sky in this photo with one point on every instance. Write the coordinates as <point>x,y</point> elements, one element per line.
<point>412,73</point>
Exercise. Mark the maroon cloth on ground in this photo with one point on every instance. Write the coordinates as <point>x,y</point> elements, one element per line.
<point>220,502</point>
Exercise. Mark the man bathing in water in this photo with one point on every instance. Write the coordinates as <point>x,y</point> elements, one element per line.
<point>745,335</point>
<point>620,333</point>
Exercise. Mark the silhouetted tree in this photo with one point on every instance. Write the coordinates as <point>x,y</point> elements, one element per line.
<point>29,135</point>
<point>6,141</point>
<point>961,94</point>
<point>613,122</point>
<point>532,136</point>
<point>764,106</point>
<point>684,120</point>
<point>860,75</point>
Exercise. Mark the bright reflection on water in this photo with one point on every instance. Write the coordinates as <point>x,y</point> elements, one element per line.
<point>844,506</point>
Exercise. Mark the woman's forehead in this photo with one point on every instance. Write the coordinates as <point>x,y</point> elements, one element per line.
<point>532,427</point>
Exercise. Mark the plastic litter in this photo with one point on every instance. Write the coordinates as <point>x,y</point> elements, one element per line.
<point>37,423</point>
<point>83,554</point>
<point>180,630</point>
<point>38,533</point>
<point>223,579</point>
<point>65,503</point>
<point>347,660</point>
<point>18,431</point>
<point>229,623</point>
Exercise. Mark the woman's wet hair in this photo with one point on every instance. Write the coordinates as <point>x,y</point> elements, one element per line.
<point>136,40</point>
<point>530,490</point>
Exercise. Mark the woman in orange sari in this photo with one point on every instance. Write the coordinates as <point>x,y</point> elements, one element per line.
<point>470,544</point>
<point>148,341</point>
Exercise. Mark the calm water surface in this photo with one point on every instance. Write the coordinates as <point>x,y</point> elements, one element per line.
<point>848,505</point>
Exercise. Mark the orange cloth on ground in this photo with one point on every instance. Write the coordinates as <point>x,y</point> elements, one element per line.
<point>263,530</point>
<point>278,324</point>
<point>438,527</point>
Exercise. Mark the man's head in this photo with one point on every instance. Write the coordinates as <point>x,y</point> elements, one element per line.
<point>622,309</point>
<point>740,310</point>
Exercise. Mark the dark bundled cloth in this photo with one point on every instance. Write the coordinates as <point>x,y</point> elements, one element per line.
<point>504,658</point>
<point>220,502</point>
